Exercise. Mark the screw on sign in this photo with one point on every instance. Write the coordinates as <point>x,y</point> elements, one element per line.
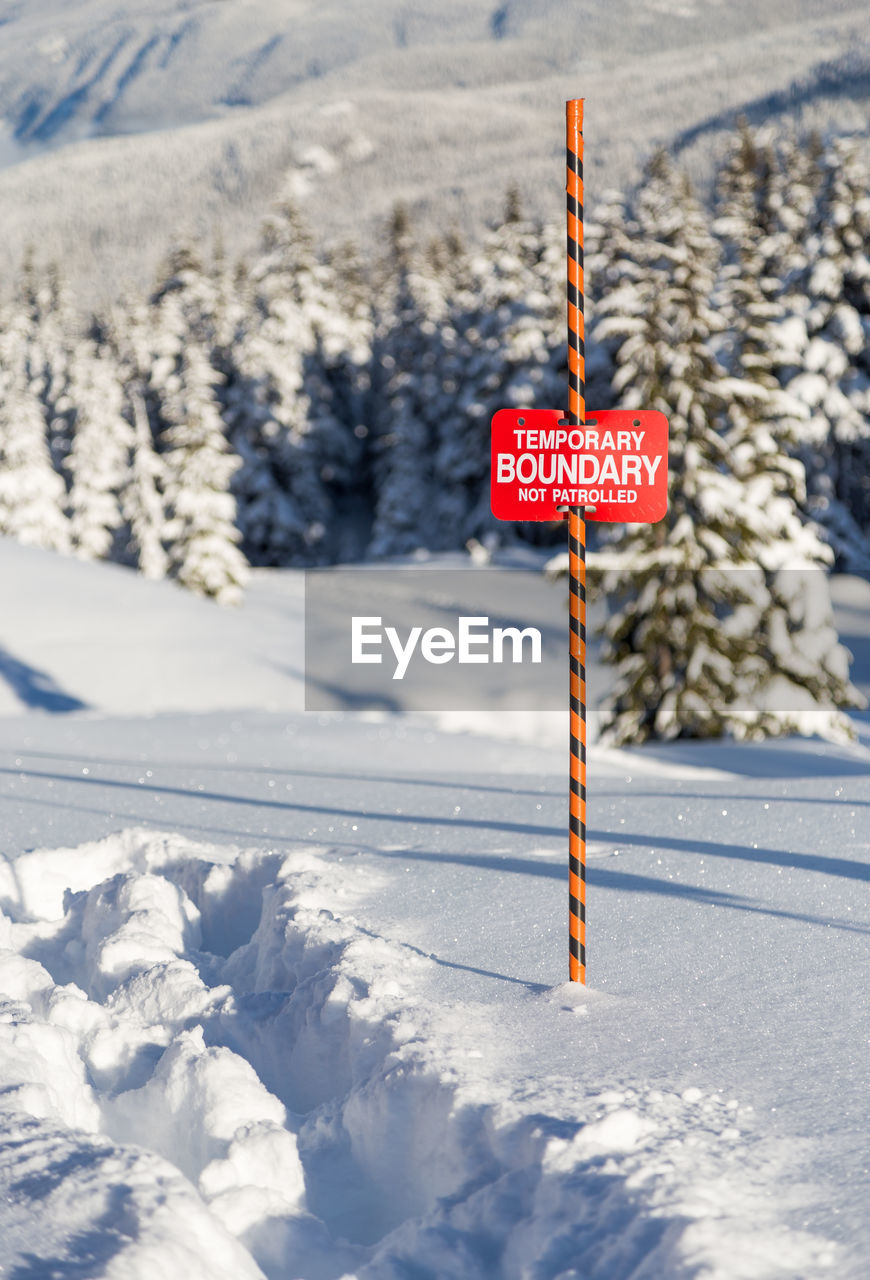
<point>615,465</point>
<point>608,465</point>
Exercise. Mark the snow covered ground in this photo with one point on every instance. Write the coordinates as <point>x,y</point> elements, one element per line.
<point>283,992</point>
<point>86,636</point>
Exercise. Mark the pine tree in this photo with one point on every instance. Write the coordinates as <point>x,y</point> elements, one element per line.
<point>507,348</point>
<point>838,287</point>
<point>824,215</point>
<point>197,294</point>
<point>281,399</point>
<point>606,250</point>
<point>349,371</point>
<point>408,368</point>
<point>99,459</point>
<point>50,329</point>
<point>762,433</point>
<point>184,508</point>
<point>58,330</point>
<point>765,423</point>
<point>31,492</point>
<point>142,501</point>
<point>698,634</point>
<point>127,339</point>
<point>201,533</point>
<point>775,220</point>
<point>676,661</point>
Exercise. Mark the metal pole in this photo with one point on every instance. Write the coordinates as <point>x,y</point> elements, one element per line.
<point>576,556</point>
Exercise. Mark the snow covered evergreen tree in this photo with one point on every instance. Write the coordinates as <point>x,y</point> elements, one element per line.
<point>49,325</point>
<point>797,643</point>
<point>281,398</point>
<point>99,459</point>
<point>198,465</point>
<point>58,331</point>
<point>765,423</point>
<point>606,236</point>
<point>698,637</point>
<point>776,217</point>
<point>409,358</point>
<point>197,294</point>
<point>125,339</point>
<point>179,501</point>
<point>786,177</point>
<point>31,491</point>
<point>142,500</point>
<point>830,367</point>
<point>506,347</point>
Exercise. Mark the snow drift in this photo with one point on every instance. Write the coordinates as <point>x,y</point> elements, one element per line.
<point>211,1067</point>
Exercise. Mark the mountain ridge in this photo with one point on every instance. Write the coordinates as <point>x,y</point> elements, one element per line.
<point>124,131</point>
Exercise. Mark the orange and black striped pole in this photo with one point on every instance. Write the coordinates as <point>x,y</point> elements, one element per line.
<point>576,556</point>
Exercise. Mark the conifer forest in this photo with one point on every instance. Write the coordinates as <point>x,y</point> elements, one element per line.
<point>303,407</point>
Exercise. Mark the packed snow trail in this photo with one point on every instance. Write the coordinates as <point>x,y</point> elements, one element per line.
<point>332,1115</point>
<point>347,1049</point>
<point>413,920</point>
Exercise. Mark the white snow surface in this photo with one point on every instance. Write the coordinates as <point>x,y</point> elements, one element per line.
<point>282,994</point>
<point>89,636</point>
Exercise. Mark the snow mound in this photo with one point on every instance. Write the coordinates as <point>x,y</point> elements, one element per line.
<point>66,621</point>
<point>210,1067</point>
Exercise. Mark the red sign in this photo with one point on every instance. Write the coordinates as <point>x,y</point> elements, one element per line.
<point>616,465</point>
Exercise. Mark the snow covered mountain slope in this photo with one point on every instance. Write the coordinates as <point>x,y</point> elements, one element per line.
<point>100,67</point>
<point>165,120</point>
<point>79,635</point>
<point>282,994</point>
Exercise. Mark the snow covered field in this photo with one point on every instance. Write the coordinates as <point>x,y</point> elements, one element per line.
<point>283,993</point>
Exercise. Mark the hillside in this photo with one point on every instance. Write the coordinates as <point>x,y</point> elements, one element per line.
<point>125,128</point>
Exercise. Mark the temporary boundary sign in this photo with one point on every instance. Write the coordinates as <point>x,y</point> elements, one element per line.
<point>615,465</point>
<point>607,465</point>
